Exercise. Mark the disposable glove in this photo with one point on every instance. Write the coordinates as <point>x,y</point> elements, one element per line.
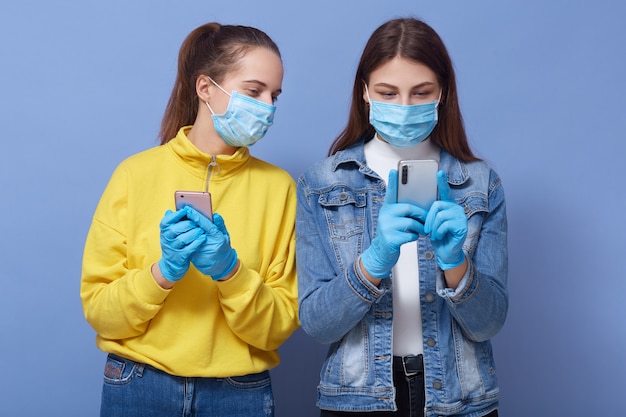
<point>180,237</point>
<point>447,225</point>
<point>398,223</point>
<point>215,256</point>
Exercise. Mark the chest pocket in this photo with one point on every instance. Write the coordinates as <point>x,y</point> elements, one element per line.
<point>344,209</point>
<point>476,207</point>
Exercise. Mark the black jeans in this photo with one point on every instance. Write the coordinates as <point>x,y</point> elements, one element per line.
<point>408,379</point>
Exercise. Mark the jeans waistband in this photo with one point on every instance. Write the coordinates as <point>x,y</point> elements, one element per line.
<point>410,365</point>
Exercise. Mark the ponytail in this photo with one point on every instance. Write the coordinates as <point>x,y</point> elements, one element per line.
<point>211,49</point>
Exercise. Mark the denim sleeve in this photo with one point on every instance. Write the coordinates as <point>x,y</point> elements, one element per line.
<point>332,299</point>
<point>480,303</point>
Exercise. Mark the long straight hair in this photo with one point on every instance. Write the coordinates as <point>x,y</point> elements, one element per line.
<point>214,50</point>
<point>411,39</point>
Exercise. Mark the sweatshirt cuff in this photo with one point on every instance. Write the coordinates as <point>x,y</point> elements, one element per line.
<point>238,284</point>
<point>148,290</point>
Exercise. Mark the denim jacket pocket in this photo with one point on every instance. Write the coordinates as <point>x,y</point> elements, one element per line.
<point>120,371</point>
<point>345,211</point>
<point>475,204</point>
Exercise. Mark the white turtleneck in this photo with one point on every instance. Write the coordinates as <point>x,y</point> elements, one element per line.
<point>407,317</point>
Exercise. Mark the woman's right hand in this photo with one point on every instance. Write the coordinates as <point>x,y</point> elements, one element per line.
<point>180,237</point>
<point>397,224</point>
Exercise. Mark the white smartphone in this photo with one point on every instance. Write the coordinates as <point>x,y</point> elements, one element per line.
<point>199,200</point>
<point>417,182</point>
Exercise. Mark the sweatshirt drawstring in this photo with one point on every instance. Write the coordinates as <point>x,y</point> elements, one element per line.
<point>212,164</point>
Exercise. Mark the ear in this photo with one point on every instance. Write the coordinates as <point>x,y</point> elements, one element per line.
<point>204,88</point>
<point>365,98</point>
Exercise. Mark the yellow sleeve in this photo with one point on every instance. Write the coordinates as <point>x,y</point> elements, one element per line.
<point>262,310</point>
<point>118,302</point>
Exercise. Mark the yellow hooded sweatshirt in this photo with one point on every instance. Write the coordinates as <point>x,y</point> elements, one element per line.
<point>200,327</point>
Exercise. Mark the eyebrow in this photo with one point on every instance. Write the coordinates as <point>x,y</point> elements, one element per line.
<point>262,84</point>
<point>425,83</point>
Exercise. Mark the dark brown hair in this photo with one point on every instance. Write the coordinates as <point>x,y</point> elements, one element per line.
<point>214,50</point>
<point>411,39</point>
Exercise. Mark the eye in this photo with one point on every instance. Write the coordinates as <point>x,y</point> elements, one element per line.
<point>426,92</point>
<point>387,94</point>
<point>253,92</point>
<point>274,99</point>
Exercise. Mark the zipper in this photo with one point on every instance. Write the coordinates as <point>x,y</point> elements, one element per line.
<point>212,164</point>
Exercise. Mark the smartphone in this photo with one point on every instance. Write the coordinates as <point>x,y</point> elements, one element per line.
<point>417,182</point>
<point>199,200</point>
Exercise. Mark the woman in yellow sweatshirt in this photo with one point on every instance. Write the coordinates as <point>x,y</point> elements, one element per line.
<point>192,310</point>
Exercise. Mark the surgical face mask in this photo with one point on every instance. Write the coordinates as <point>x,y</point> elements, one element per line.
<point>245,120</point>
<point>403,126</point>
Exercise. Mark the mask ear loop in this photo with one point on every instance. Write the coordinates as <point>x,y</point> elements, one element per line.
<point>220,87</point>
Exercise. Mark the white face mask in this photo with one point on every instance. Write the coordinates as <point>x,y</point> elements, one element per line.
<point>245,121</point>
<point>403,126</point>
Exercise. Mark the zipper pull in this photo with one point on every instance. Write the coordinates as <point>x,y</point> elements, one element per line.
<point>212,164</point>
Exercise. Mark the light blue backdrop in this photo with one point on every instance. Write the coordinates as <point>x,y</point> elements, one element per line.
<point>84,84</point>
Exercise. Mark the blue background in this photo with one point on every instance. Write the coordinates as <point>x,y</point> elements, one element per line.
<point>542,88</point>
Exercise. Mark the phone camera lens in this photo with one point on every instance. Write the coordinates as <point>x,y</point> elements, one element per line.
<point>405,174</point>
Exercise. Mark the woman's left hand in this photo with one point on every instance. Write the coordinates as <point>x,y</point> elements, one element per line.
<point>215,257</point>
<point>447,225</point>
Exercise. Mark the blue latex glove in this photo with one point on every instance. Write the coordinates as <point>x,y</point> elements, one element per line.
<point>397,224</point>
<point>215,256</point>
<point>447,225</point>
<point>180,237</point>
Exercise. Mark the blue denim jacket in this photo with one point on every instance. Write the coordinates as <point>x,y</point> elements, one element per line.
<point>338,203</point>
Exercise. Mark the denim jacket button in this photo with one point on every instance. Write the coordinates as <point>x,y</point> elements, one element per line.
<point>429,298</point>
<point>437,385</point>
<point>429,255</point>
<point>343,196</point>
<point>430,342</point>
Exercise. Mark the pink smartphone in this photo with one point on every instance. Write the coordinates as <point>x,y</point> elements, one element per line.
<point>199,200</point>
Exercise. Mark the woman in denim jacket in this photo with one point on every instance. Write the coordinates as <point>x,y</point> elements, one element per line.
<point>408,297</point>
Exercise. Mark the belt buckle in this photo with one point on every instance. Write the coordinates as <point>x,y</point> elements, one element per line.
<point>407,373</point>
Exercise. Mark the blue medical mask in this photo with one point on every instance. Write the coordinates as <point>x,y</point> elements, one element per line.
<point>245,120</point>
<point>403,126</point>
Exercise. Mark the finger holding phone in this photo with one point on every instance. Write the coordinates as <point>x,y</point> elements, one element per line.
<point>214,256</point>
<point>446,223</point>
<point>179,238</point>
<point>397,224</point>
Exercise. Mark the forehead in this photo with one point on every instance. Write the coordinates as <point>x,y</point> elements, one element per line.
<point>258,64</point>
<point>399,71</point>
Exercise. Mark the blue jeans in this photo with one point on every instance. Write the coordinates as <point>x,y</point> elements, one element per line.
<point>134,389</point>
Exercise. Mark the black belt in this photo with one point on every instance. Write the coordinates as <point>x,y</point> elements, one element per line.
<point>410,365</point>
